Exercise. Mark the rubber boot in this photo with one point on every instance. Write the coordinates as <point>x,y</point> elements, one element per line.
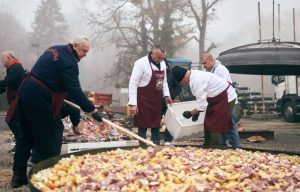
<point>18,180</point>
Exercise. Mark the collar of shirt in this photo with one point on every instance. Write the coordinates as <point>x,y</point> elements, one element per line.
<point>151,61</point>
<point>214,68</point>
<point>74,52</point>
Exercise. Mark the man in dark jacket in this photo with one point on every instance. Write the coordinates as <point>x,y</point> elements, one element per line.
<point>10,84</point>
<point>41,96</point>
<point>175,90</point>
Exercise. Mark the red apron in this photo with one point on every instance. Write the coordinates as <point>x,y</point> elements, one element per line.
<point>217,119</point>
<point>11,95</point>
<point>57,99</point>
<point>13,99</point>
<point>149,102</point>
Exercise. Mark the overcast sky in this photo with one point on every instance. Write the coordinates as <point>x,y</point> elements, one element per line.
<point>236,23</point>
<point>232,14</point>
<point>24,9</point>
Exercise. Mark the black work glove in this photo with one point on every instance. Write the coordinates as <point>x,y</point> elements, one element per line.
<point>187,114</point>
<point>195,117</point>
<point>97,116</point>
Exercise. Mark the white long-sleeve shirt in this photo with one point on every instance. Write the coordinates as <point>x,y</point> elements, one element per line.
<point>205,84</point>
<point>141,76</point>
<point>221,71</point>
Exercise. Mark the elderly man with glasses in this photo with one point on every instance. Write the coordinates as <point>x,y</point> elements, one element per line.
<point>41,96</point>
<point>147,88</point>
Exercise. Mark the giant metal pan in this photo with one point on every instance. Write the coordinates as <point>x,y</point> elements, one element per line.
<point>52,161</point>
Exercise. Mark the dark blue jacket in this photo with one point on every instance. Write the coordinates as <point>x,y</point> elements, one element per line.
<point>14,75</point>
<point>58,69</point>
<point>74,114</point>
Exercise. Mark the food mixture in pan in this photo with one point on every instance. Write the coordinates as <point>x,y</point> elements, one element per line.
<point>91,131</point>
<point>173,169</point>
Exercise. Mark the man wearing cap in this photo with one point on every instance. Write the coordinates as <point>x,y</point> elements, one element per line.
<point>147,88</point>
<point>216,67</point>
<point>215,93</point>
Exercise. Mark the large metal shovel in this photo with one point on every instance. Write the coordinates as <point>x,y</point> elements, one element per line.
<point>122,129</point>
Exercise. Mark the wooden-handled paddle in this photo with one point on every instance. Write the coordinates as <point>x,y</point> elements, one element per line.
<point>122,129</point>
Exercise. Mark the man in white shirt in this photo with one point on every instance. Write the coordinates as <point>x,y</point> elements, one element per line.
<point>215,66</point>
<point>215,93</point>
<point>147,88</point>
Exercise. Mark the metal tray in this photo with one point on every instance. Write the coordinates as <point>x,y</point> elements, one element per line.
<point>52,161</point>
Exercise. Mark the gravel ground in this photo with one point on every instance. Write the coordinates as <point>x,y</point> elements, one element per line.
<point>286,138</point>
<point>6,159</point>
<point>286,135</point>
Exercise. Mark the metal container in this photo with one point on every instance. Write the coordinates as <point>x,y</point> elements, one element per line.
<point>52,161</point>
<point>265,58</point>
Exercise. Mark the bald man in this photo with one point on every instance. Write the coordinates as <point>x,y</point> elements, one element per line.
<point>148,87</point>
<point>215,66</point>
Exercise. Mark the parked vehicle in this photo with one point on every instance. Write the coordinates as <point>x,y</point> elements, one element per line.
<point>287,94</point>
<point>186,94</point>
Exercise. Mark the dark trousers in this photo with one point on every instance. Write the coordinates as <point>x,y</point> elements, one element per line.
<point>215,139</point>
<point>154,135</point>
<point>40,131</point>
<point>206,138</point>
<point>14,124</point>
<point>35,157</point>
<point>167,135</point>
<point>232,135</point>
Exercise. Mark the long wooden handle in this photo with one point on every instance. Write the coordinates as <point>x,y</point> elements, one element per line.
<point>122,129</point>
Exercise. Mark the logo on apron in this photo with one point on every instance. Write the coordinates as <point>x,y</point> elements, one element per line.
<point>159,81</point>
<point>159,84</point>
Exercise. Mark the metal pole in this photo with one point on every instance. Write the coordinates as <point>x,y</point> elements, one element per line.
<point>262,77</point>
<point>279,21</point>
<point>259,23</point>
<point>37,46</point>
<point>262,94</point>
<point>294,24</point>
<point>273,21</point>
<point>294,28</point>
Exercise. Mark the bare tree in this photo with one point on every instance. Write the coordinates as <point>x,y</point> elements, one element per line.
<point>14,37</point>
<point>133,26</point>
<point>202,12</point>
<point>49,25</point>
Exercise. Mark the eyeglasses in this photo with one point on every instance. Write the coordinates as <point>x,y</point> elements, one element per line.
<point>84,50</point>
<point>204,62</point>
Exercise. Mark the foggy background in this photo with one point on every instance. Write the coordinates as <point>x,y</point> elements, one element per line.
<point>235,24</point>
